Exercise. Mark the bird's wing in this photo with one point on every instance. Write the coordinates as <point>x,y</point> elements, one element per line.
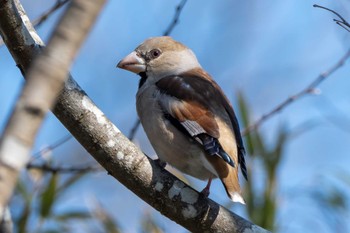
<point>189,100</point>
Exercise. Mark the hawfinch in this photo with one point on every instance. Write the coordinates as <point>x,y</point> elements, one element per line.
<point>185,114</point>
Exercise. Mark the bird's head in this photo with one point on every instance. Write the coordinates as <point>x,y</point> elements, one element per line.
<point>159,57</point>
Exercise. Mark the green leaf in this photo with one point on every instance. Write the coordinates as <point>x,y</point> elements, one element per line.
<point>23,218</point>
<point>333,200</point>
<point>52,231</point>
<point>149,224</point>
<point>22,190</point>
<point>273,156</point>
<point>282,139</point>
<point>243,109</point>
<point>69,182</point>
<point>73,215</point>
<point>244,115</point>
<point>109,224</point>
<point>48,197</point>
<point>344,176</point>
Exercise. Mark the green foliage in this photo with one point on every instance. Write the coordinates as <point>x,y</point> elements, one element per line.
<point>261,205</point>
<point>331,198</point>
<point>40,193</point>
<point>40,198</point>
<point>24,216</point>
<point>150,225</point>
<point>108,223</point>
<point>48,196</point>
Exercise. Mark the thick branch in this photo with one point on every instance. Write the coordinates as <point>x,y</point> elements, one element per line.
<point>46,78</point>
<point>131,167</point>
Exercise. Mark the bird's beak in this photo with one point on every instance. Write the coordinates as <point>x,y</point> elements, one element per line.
<point>133,62</point>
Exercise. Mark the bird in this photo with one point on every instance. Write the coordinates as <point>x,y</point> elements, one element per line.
<point>186,116</point>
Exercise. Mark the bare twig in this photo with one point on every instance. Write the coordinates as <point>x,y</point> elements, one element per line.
<point>167,32</point>
<point>175,19</point>
<point>58,169</point>
<point>49,12</point>
<point>342,22</point>
<point>134,129</point>
<point>37,22</point>
<point>310,89</point>
<point>56,144</point>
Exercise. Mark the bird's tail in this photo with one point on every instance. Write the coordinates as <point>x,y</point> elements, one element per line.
<point>232,187</point>
<point>228,176</point>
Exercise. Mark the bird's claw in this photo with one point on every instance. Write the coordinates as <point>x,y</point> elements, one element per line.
<point>161,163</point>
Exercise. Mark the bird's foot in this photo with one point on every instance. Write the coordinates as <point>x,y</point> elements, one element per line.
<point>161,163</point>
<point>206,191</point>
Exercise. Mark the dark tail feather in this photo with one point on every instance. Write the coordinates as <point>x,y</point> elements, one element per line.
<point>213,147</point>
<point>241,161</point>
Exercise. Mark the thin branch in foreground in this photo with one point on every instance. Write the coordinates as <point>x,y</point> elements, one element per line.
<point>342,22</point>
<point>310,89</point>
<point>167,32</point>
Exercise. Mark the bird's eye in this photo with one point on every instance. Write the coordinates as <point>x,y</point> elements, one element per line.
<point>155,53</point>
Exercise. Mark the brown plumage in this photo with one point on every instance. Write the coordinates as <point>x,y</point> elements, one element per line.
<point>186,116</point>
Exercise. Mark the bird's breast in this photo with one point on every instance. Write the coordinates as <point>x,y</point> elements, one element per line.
<point>171,145</point>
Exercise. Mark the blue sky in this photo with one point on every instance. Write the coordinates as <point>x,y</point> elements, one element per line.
<point>268,50</point>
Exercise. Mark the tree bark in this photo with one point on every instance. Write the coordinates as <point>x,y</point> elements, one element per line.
<point>123,160</point>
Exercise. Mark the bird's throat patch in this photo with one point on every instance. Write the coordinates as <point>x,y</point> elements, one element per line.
<point>143,79</point>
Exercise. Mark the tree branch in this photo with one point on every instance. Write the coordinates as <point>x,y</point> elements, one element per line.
<point>127,163</point>
<point>310,89</point>
<point>56,144</point>
<point>175,20</point>
<point>342,22</point>
<point>57,169</point>
<point>134,129</point>
<point>45,78</point>
<point>59,3</point>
